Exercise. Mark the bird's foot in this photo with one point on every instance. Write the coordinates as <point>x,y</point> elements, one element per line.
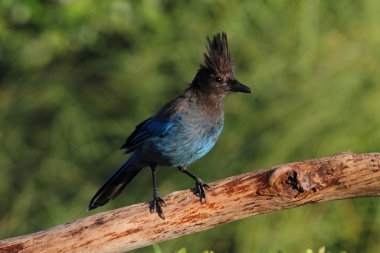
<point>157,204</point>
<point>200,188</point>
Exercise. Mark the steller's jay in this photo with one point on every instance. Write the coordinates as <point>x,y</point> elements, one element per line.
<point>182,131</point>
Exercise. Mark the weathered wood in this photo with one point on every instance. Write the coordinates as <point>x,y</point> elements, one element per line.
<point>341,176</point>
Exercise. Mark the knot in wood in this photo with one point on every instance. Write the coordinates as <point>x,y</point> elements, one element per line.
<point>293,182</point>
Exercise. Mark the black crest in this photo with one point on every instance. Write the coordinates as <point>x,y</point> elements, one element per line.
<point>218,58</point>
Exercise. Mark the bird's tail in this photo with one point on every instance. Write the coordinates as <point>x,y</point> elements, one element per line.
<point>115,184</point>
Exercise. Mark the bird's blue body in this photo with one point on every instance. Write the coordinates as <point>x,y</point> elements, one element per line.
<point>180,133</point>
<point>183,130</point>
<point>180,142</point>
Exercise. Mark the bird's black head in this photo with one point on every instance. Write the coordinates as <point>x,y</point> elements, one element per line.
<point>216,74</point>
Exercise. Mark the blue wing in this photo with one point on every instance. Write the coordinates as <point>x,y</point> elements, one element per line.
<point>145,130</point>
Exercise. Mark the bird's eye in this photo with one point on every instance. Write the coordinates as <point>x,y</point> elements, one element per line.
<point>218,80</point>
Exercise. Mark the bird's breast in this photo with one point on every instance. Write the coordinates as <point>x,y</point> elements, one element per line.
<point>192,136</point>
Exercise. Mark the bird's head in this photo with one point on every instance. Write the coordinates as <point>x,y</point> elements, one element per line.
<point>216,74</point>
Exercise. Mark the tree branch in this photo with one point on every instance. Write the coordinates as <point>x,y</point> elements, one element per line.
<point>291,185</point>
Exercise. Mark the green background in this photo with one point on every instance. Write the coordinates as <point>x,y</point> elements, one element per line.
<point>77,76</point>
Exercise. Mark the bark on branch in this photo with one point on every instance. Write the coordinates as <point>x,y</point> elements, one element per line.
<point>291,185</point>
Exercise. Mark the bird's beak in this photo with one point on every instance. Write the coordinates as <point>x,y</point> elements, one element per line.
<point>237,86</point>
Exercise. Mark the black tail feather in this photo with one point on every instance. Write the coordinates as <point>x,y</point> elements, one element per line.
<point>114,185</point>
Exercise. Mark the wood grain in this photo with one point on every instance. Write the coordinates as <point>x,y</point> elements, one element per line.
<point>341,176</point>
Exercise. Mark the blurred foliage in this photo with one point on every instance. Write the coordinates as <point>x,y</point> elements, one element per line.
<point>183,250</point>
<point>77,76</point>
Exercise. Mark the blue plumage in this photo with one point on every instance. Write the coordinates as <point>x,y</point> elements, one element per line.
<point>183,130</point>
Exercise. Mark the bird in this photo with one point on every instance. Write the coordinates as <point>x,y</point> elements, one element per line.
<point>182,131</point>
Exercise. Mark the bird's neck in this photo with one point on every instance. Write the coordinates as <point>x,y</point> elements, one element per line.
<point>209,102</point>
<point>212,102</point>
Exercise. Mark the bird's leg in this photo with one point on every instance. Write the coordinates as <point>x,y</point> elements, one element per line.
<point>200,186</point>
<point>157,202</point>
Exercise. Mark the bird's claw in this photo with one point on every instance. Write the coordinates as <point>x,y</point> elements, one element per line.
<point>200,189</point>
<point>156,205</point>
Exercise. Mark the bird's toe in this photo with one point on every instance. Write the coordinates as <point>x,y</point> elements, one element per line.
<point>156,205</point>
<point>200,190</point>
